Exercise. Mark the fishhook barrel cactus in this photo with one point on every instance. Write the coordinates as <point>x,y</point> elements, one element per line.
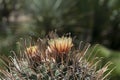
<point>52,58</point>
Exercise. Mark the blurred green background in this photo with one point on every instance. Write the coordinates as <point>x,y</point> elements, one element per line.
<point>94,21</point>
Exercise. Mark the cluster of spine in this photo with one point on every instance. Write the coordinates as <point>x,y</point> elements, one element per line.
<point>52,58</point>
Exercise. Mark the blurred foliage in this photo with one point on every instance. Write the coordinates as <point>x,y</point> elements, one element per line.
<point>91,20</point>
<point>94,21</point>
<point>108,55</point>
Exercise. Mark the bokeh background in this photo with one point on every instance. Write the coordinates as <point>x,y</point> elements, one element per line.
<point>94,21</point>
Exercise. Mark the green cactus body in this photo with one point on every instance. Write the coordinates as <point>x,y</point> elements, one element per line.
<point>53,59</point>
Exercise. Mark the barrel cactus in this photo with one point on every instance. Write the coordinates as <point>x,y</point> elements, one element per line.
<point>53,58</point>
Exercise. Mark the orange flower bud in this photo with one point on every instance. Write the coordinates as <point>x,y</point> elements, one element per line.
<point>32,51</point>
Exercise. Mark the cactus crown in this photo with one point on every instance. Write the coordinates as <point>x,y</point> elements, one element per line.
<point>52,58</point>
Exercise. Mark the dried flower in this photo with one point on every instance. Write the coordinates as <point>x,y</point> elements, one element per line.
<point>60,45</point>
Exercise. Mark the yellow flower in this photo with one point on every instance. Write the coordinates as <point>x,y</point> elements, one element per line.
<point>32,51</point>
<point>60,45</point>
